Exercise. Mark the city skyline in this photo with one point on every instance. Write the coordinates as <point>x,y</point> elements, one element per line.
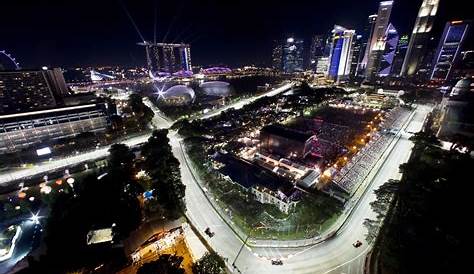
<point>214,137</point>
<point>219,33</point>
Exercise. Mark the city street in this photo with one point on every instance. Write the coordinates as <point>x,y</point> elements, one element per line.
<point>318,143</point>
<point>159,121</point>
<point>29,239</point>
<point>336,255</point>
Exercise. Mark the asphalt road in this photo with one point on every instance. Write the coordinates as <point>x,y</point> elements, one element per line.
<point>159,121</point>
<point>239,104</point>
<point>29,239</point>
<point>336,255</point>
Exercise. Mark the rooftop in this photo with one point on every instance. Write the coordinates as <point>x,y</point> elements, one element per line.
<point>285,132</point>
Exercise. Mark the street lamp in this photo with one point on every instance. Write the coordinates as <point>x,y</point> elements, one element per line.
<point>35,218</point>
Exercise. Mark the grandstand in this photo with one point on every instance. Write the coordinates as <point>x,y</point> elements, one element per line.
<point>354,172</point>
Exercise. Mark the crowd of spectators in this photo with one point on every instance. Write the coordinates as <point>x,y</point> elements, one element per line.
<point>359,166</point>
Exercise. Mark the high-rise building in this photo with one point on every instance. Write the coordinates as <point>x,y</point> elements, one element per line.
<point>322,65</point>
<point>57,80</point>
<point>465,65</point>
<point>277,55</point>
<point>368,33</point>
<point>36,108</point>
<point>417,47</point>
<point>29,129</point>
<point>356,54</point>
<point>377,44</point>
<point>399,55</point>
<point>30,90</point>
<point>165,58</point>
<point>391,43</point>
<point>293,55</point>
<point>449,49</point>
<point>340,56</point>
<point>316,50</point>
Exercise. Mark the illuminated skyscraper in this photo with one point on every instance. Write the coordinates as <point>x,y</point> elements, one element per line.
<point>277,55</point>
<point>316,50</point>
<point>293,55</point>
<point>322,65</point>
<point>417,47</point>
<point>340,56</point>
<point>391,42</point>
<point>449,49</point>
<point>368,33</point>
<point>399,56</point>
<point>377,44</point>
<point>356,54</point>
<point>164,58</point>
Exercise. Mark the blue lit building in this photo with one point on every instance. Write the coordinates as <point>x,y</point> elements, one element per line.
<point>293,55</point>
<point>399,55</point>
<point>340,57</point>
<point>449,49</point>
<point>391,42</point>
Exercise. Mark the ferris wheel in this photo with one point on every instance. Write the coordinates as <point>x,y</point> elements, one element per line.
<point>8,62</point>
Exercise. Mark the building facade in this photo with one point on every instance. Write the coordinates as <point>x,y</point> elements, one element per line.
<point>399,55</point>
<point>340,56</point>
<point>368,33</point>
<point>357,51</point>
<point>23,130</point>
<point>417,47</point>
<point>284,141</point>
<point>322,65</point>
<point>167,58</point>
<point>30,90</point>
<point>277,56</point>
<point>377,43</point>
<point>277,198</point>
<point>316,51</point>
<point>293,55</point>
<point>449,49</point>
<point>391,43</point>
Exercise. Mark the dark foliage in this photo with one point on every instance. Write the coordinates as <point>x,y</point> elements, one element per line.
<point>166,264</point>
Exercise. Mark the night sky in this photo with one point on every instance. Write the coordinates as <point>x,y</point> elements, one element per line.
<point>233,32</point>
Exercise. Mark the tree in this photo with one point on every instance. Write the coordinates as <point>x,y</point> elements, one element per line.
<point>210,263</point>
<point>94,204</point>
<point>143,113</point>
<point>425,138</point>
<point>165,264</point>
<point>163,169</point>
<point>116,123</point>
<point>424,232</point>
<point>135,101</point>
<point>121,160</point>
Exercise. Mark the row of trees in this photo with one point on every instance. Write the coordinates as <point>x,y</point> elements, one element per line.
<point>426,228</point>
<point>163,170</point>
